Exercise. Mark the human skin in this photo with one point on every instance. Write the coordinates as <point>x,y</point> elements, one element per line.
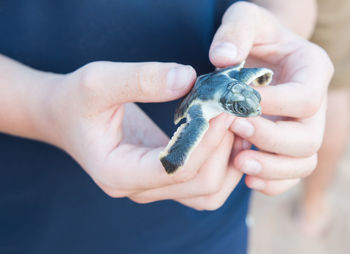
<point>90,114</point>
<point>299,97</point>
<point>314,211</point>
<point>298,15</point>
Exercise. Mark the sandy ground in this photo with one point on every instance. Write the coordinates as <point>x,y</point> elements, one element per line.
<point>273,230</point>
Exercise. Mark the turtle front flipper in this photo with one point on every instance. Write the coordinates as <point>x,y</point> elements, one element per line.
<point>184,140</point>
<point>256,76</point>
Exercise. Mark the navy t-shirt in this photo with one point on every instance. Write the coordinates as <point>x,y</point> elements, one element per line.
<point>48,204</point>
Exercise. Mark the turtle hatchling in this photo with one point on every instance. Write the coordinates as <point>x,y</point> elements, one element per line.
<point>224,90</point>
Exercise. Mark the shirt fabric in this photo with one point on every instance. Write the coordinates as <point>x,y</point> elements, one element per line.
<point>48,204</point>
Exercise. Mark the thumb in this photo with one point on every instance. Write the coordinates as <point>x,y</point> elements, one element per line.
<point>138,82</point>
<point>243,25</point>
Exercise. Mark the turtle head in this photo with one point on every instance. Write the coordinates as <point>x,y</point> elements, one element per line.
<point>241,100</point>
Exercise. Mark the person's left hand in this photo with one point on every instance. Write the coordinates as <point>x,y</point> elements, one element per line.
<point>287,147</point>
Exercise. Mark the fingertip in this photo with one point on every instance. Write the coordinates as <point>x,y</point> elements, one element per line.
<point>229,121</point>
<point>241,157</point>
<point>248,163</point>
<point>270,187</point>
<point>243,128</point>
<point>255,183</point>
<point>180,78</point>
<point>223,54</point>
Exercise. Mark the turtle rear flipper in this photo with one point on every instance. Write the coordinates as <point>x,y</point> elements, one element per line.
<point>184,140</point>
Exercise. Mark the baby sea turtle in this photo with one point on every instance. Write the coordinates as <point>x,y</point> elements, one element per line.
<point>224,90</point>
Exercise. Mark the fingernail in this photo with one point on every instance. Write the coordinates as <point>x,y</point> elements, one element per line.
<point>251,167</point>
<point>225,49</point>
<point>180,77</point>
<point>229,121</point>
<point>257,184</point>
<point>243,128</point>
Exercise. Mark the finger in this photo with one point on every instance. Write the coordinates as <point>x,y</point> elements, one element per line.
<point>215,201</point>
<point>239,145</point>
<point>274,167</point>
<point>293,138</point>
<point>144,170</point>
<point>135,82</point>
<point>243,25</point>
<point>302,84</point>
<point>207,146</point>
<point>250,30</point>
<point>208,180</point>
<point>270,188</point>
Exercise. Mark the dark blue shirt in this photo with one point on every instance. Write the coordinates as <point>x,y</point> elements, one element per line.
<point>48,204</point>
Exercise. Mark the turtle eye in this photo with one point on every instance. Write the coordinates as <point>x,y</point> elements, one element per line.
<point>239,108</point>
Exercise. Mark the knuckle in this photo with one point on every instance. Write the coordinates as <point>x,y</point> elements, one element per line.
<point>228,29</point>
<point>280,187</point>
<point>313,145</point>
<point>272,192</point>
<point>316,145</point>
<point>264,141</point>
<point>329,65</point>
<point>139,200</point>
<point>314,161</point>
<point>212,203</point>
<point>147,77</point>
<point>211,185</point>
<point>196,206</point>
<point>184,175</point>
<point>225,30</point>
<point>114,193</point>
<point>142,77</point>
<point>89,76</point>
<point>311,100</point>
<point>249,9</point>
<point>313,105</point>
<point>108,180</point>
<point>327,62</point>
<point>273,144</point>
<point>310,104</point>
<point>312,164</point>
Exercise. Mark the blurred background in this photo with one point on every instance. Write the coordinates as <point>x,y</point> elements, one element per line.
<point>314,217</point>
<point>274,220</point>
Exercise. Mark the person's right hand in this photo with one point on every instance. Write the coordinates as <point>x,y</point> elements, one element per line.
<point>94,119</point>
<point>289,141</point>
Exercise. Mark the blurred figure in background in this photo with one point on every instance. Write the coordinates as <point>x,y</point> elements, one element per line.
<point>328,25</point>
<point>331,33</point>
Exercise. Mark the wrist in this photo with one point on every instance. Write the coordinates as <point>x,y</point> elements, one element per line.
<point>25,100</point>
<point>41,107</point>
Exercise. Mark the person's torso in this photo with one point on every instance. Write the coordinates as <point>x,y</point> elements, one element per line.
<point>47,203</point>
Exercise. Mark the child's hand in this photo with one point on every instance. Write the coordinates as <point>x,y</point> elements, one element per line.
<point>287,147</point>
